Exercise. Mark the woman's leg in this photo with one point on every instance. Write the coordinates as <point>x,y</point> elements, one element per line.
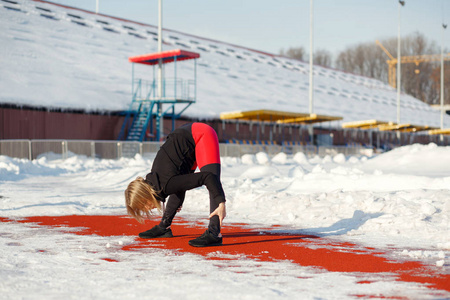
<point>174,202</point>
<point>206,145</point>
<point>207,156</point>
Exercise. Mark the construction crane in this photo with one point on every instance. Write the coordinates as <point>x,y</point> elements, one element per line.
<point>414,59</point>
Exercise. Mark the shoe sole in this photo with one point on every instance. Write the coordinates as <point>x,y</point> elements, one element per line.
<point>209,245</point>
<point>165,235</point>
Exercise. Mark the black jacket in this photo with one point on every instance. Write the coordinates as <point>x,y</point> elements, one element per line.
<point>172,168</point>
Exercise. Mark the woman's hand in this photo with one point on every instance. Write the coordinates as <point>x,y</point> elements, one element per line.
<point>220,211</point>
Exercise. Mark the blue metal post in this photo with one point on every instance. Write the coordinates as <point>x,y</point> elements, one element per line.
<point>132,80</point>
<point>151,118</point>
<point>195,79</point>
<point>175,83</point>
<point>153,83</point>
<point>173,117</point>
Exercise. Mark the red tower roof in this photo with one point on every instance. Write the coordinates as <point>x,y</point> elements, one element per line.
<point>166,56</point>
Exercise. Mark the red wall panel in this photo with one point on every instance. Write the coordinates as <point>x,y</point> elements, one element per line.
<point>35,124</point>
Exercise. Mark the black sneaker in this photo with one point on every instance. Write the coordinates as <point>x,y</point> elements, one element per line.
<point>156,232</point>
<point>206,240</point>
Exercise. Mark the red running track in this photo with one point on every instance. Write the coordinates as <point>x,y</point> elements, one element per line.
<point>258,244</point>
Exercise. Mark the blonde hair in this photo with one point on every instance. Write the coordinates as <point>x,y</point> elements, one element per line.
<point>140,199</point>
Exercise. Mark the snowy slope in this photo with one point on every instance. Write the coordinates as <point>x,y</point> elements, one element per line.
<point>49,59</point>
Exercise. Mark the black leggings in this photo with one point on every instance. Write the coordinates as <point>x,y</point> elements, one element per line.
<point>175,201</point>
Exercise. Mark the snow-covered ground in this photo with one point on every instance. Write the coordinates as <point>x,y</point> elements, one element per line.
<point>396,200</point>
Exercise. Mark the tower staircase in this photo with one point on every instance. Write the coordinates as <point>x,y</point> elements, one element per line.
<point>153,100</point>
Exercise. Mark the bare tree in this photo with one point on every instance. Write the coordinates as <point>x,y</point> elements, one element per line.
<point>418,80</point>
<point>363,59</point>
<point>435,90</point>
<point>323,58</point>
<point>295,53</point>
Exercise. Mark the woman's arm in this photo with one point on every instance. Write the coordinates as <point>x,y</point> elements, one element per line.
<point>220,211</point>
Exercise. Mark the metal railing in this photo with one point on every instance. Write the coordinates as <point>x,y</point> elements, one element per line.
<point>32,149</point>
<point>172,88</point>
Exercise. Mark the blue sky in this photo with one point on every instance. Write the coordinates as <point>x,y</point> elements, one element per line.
<point>272,25</point>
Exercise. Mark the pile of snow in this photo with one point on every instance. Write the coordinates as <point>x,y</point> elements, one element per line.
<point>66,58</point>
<point>419,160</point>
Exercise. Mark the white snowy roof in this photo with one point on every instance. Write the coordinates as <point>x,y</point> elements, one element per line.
<point>58,57</point>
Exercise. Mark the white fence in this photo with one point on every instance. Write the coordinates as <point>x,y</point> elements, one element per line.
<point>32,149</point>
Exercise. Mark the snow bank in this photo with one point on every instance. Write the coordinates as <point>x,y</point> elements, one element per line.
<point>420,160</point>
